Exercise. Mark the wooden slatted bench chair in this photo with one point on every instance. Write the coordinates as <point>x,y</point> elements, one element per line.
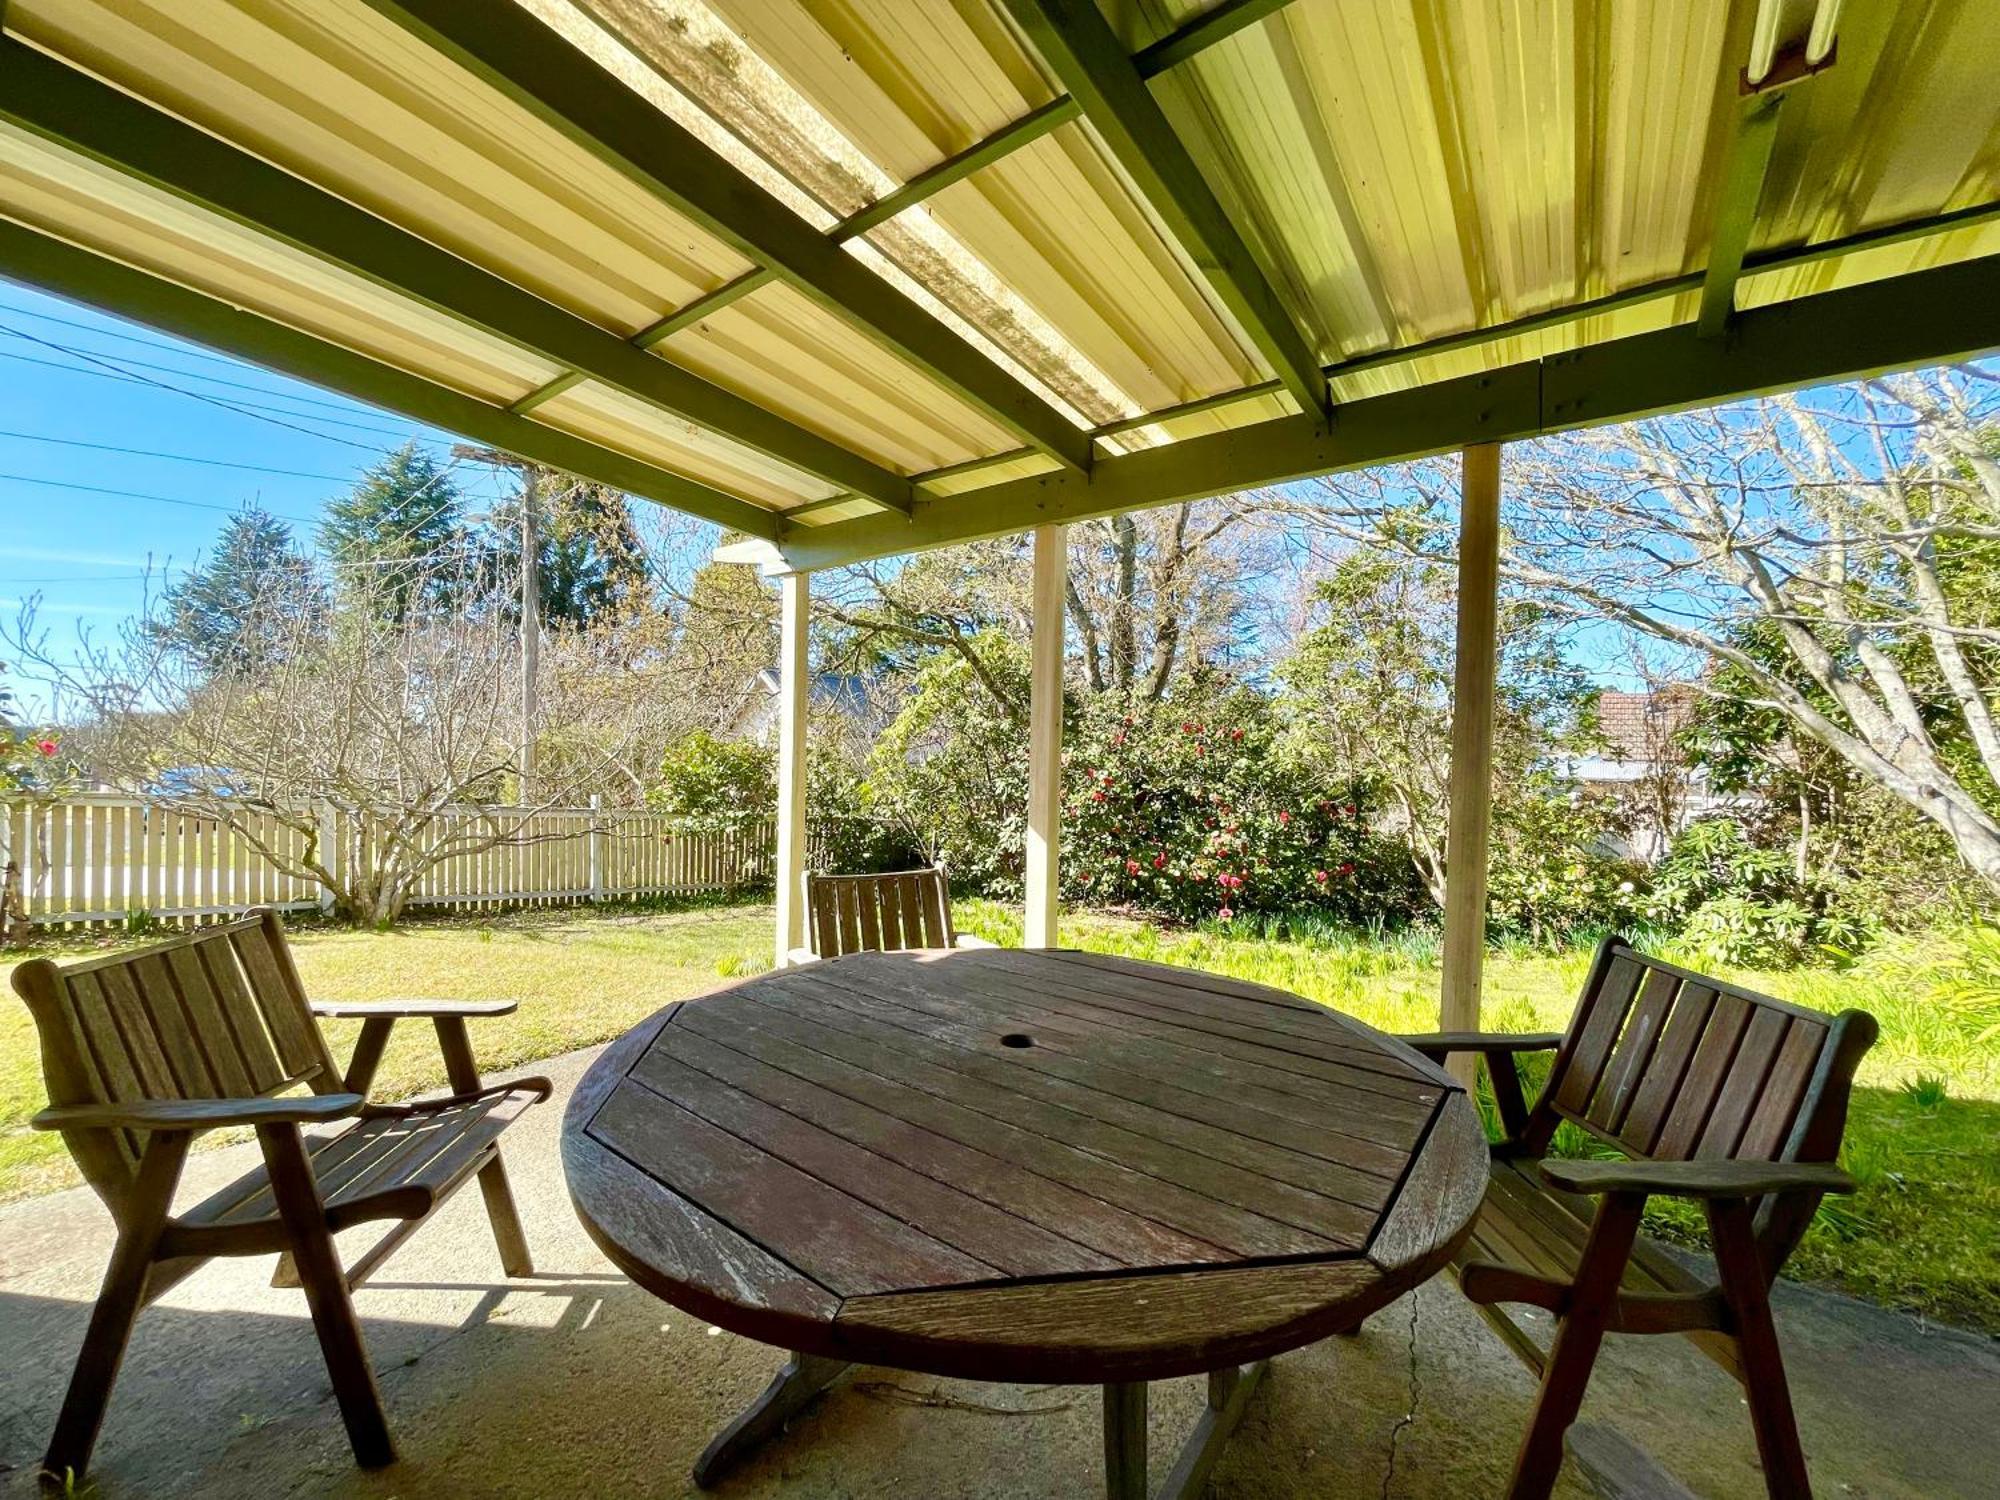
<point>879,914</point>
<point>1711,1093</point>
<point>143,1051</point>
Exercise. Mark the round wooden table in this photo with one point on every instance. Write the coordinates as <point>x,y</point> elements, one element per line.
<point>1031,1166</point>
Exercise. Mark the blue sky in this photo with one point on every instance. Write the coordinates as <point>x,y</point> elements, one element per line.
<point>80,525</point>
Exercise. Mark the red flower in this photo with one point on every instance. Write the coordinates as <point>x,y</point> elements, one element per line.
<point>1349,809</point>
<point>1348,868</point>
<point>47,747</point>
<point>1283,817</point>
<point>1160,860</point>
<point>1097,796</point>
<point>1187,726</point>
<point>1236,734</point>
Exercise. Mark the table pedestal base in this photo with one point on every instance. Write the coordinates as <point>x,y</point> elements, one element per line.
<point>1125,1435</point>
<point>803,1377</point>
<point>806,1375</point>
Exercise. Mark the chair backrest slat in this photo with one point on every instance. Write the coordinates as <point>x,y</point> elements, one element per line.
<point>1770,1123</point>
<point>1689,1116</point>
<point>1666,1068</point>
<point>1743,1085</point>
<point>1620,1084</point>
<point>879,913</point>
<point>1593,1034</point>
<point>216,1014</point>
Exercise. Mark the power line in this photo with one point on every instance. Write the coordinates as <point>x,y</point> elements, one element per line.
<point>98,489</point>
<point>242,409</point>
<point>340,404</point>
<point>184,458</point>
<point>235,404</point>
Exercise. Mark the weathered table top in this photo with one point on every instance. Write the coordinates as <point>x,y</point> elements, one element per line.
<point>1021,1166</point>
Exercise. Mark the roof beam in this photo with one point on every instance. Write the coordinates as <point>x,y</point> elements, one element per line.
<point>1030,127</point>
<point>55,101</point>
<point>54,265</point>
<point>1075,40</point>
<point>1925,317</point>
<point>524,58</point>
<point>1743,175</point>
<point>1216,24</point>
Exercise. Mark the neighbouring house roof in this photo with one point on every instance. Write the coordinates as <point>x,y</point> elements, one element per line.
<point>847,694</point>
<point>1640,725</point>
<point>857,277</point>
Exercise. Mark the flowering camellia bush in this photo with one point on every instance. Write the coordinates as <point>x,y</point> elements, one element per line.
<point>1189,808</point>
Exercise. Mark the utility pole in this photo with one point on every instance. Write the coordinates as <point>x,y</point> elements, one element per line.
<point>531,630</point>
<point>531,597</point>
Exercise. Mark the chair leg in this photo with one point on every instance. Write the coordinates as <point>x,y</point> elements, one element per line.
<point>505,1219</point>
<point>116,1309</point>
<point>1578,1335</point>
<point>319,1272</point>
<point>1744,1288</point>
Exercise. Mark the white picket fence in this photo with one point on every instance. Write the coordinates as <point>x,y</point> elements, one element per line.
<point>95,859</point>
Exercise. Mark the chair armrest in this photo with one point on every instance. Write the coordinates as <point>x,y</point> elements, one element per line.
<point>1487,1042</point>
<point>198,1114</point>
<point>798,956</point>
<point>1696,1179</point>
<point>967,940</point>
<point>333,1010</point>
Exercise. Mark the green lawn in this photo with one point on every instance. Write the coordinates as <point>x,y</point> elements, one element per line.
<point>1923,1234</point>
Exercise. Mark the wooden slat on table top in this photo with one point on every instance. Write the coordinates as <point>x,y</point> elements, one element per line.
<point>1324,1037</point>
<point>1159,1147</point>
<point>1353,1135</point>
<point>939,1209</point>
<point>978,991</point>
<point>850,1065</point>
<point>1206,1126</point>
<point>845,1245</point>
<point>1194,1042</point>
<point>1126,1238</point>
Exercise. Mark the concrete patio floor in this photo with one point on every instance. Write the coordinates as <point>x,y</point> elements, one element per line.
<point>577,1383</point>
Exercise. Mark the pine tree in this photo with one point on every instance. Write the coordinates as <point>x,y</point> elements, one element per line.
<point>403,521</point>
<point>236,609</point>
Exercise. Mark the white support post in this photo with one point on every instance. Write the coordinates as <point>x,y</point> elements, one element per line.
<point>793,695</point>
<point>1473,677</point>
<point>1045,714</point>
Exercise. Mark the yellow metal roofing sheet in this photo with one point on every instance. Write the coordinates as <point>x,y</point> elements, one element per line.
<point>1404,170</point>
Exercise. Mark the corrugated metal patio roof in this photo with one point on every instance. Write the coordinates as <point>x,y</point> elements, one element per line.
<point>855,276</point>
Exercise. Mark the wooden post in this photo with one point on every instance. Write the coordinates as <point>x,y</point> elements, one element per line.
<point>1471,742</point>
<point>531,633</point>
<point>1045,713</point>
<point>793,695</point>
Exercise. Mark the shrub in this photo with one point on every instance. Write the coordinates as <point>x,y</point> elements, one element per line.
<point>1189,808</point>
<point>1738,903</point>
<point>706,777</point>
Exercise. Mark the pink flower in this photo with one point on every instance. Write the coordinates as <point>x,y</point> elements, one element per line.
<point>1284,817</point>
<point>1320,876</point>
<point>47,747</point>
<point>1225,914</point>
<point>1098,795</point>
<point>1131,867</point>
<point>1160,860</point>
